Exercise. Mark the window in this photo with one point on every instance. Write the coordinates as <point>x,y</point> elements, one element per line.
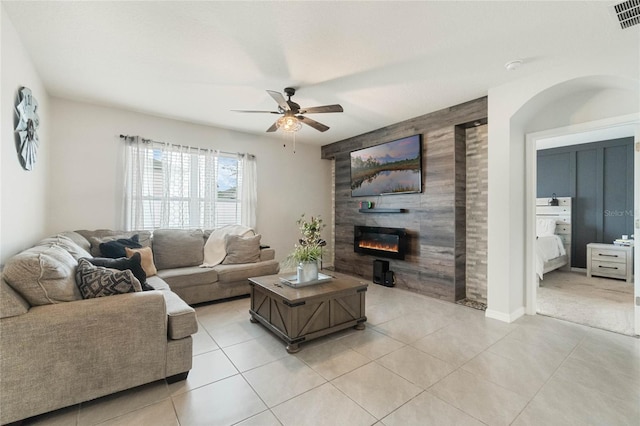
<point>172,186</point>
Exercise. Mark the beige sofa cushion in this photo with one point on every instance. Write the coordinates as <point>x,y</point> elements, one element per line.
<point>215,249</point>
<point>175,248</point>
<point>231,273</point>
<point>242,249</point>
<point>11,303</point>
<point>267,254</point>
<point>182,317</point>
<point>43,275</point>
<point>66,243</point>
<point>158,283</point>
<point>187,277</point>
<point>78,239</point>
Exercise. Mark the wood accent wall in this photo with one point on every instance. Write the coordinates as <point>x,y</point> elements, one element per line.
<point>435,219</point>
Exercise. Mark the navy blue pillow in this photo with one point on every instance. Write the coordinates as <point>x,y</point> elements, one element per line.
<point>132,263</point>
<point>115,249</point>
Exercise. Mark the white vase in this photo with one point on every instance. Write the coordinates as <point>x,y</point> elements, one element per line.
<point>307,271</point>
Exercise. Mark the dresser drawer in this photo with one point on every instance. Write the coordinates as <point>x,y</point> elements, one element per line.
<point>607,255</point>
<point>609,269</point>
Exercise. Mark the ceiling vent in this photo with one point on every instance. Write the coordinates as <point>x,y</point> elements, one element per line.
<point>627,13</point>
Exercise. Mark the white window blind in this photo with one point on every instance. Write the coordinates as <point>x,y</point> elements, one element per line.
<point>171,186</point>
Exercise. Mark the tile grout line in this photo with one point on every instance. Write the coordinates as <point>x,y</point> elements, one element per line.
<point>549,378</point>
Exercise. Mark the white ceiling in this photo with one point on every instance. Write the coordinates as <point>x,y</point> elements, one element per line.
<point>384,62</point>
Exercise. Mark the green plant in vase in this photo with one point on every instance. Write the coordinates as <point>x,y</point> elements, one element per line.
<point>308,251</point>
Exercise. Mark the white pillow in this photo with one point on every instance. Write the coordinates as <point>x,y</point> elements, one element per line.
<point>545,226</point>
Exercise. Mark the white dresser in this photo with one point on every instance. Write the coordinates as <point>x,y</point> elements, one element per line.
<point>608,260</point>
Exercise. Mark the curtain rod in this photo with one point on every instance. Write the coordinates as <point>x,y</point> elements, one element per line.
<point>190,147</point>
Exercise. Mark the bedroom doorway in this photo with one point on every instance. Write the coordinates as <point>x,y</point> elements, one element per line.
<point>568,293</point>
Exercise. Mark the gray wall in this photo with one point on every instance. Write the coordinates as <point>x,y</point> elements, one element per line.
<point>599,178</point>
<point>436,220</point>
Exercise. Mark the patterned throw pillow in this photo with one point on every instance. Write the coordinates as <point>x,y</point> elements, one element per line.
<point>133,264</point>
<point>97,281</point>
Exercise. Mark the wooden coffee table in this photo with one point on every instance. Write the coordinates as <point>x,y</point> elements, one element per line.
<point>301,314</point>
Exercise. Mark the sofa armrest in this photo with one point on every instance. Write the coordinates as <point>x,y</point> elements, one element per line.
<point>182,317</point>
<point>11,303</point>
<point>62,354</point>
<point>267,254</point>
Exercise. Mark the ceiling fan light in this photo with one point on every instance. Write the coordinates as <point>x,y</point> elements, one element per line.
<point>289,123</point>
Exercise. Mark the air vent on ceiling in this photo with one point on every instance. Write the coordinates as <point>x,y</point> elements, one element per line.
<point>627,13</point>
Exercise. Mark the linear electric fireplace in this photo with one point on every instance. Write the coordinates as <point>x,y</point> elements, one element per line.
<point>382,242</point>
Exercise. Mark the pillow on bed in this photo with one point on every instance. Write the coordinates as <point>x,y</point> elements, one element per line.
<point>545,227</point>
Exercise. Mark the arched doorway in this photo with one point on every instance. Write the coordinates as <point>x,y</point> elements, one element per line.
<point>587,99</point>
<point>527,106</point>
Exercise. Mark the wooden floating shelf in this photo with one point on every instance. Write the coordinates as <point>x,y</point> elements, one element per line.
<point>382,210</point>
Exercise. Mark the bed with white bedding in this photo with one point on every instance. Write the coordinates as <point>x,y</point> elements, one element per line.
<point>553,231</point>
<point>550,254</point>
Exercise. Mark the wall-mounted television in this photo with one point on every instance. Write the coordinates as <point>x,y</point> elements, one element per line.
<point>390,168</point>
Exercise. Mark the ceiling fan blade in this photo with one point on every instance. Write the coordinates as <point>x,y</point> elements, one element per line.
<point>321,109</point>
<point>277,96</point>
<point>250,111</point>
<point>313,123</point>
<point>273,127</point>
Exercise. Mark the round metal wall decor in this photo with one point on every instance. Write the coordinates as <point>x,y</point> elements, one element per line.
<point>28,123</point>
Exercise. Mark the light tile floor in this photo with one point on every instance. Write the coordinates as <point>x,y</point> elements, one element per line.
<point>419,361</point>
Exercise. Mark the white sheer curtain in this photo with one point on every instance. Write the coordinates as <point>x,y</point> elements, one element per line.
<point>136,161</point>
<point>249,191</point>
<point>174,186</point>
<point>158,184</point>
<point>207,178</point>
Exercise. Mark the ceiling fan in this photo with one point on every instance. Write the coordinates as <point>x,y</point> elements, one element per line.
<point>292,114</point>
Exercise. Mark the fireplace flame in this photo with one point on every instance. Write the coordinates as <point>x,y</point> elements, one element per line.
<point>373,245</point>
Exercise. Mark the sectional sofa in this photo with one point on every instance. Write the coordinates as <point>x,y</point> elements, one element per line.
<point>58,349</point>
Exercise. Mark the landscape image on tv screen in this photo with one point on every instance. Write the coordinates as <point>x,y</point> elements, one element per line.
<point>390,168</point>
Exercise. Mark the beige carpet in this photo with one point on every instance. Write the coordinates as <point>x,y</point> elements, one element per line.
<point>597,302</point>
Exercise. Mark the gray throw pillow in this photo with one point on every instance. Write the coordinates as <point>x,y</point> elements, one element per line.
<point>43,275</point>
<point>97,281</point>
<point>66,243</point>
<point>242,249</point>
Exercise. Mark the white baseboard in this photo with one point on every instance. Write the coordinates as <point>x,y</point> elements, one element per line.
<point>501,316</point>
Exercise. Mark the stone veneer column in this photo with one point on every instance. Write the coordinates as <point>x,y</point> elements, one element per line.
<point>476,194</point>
